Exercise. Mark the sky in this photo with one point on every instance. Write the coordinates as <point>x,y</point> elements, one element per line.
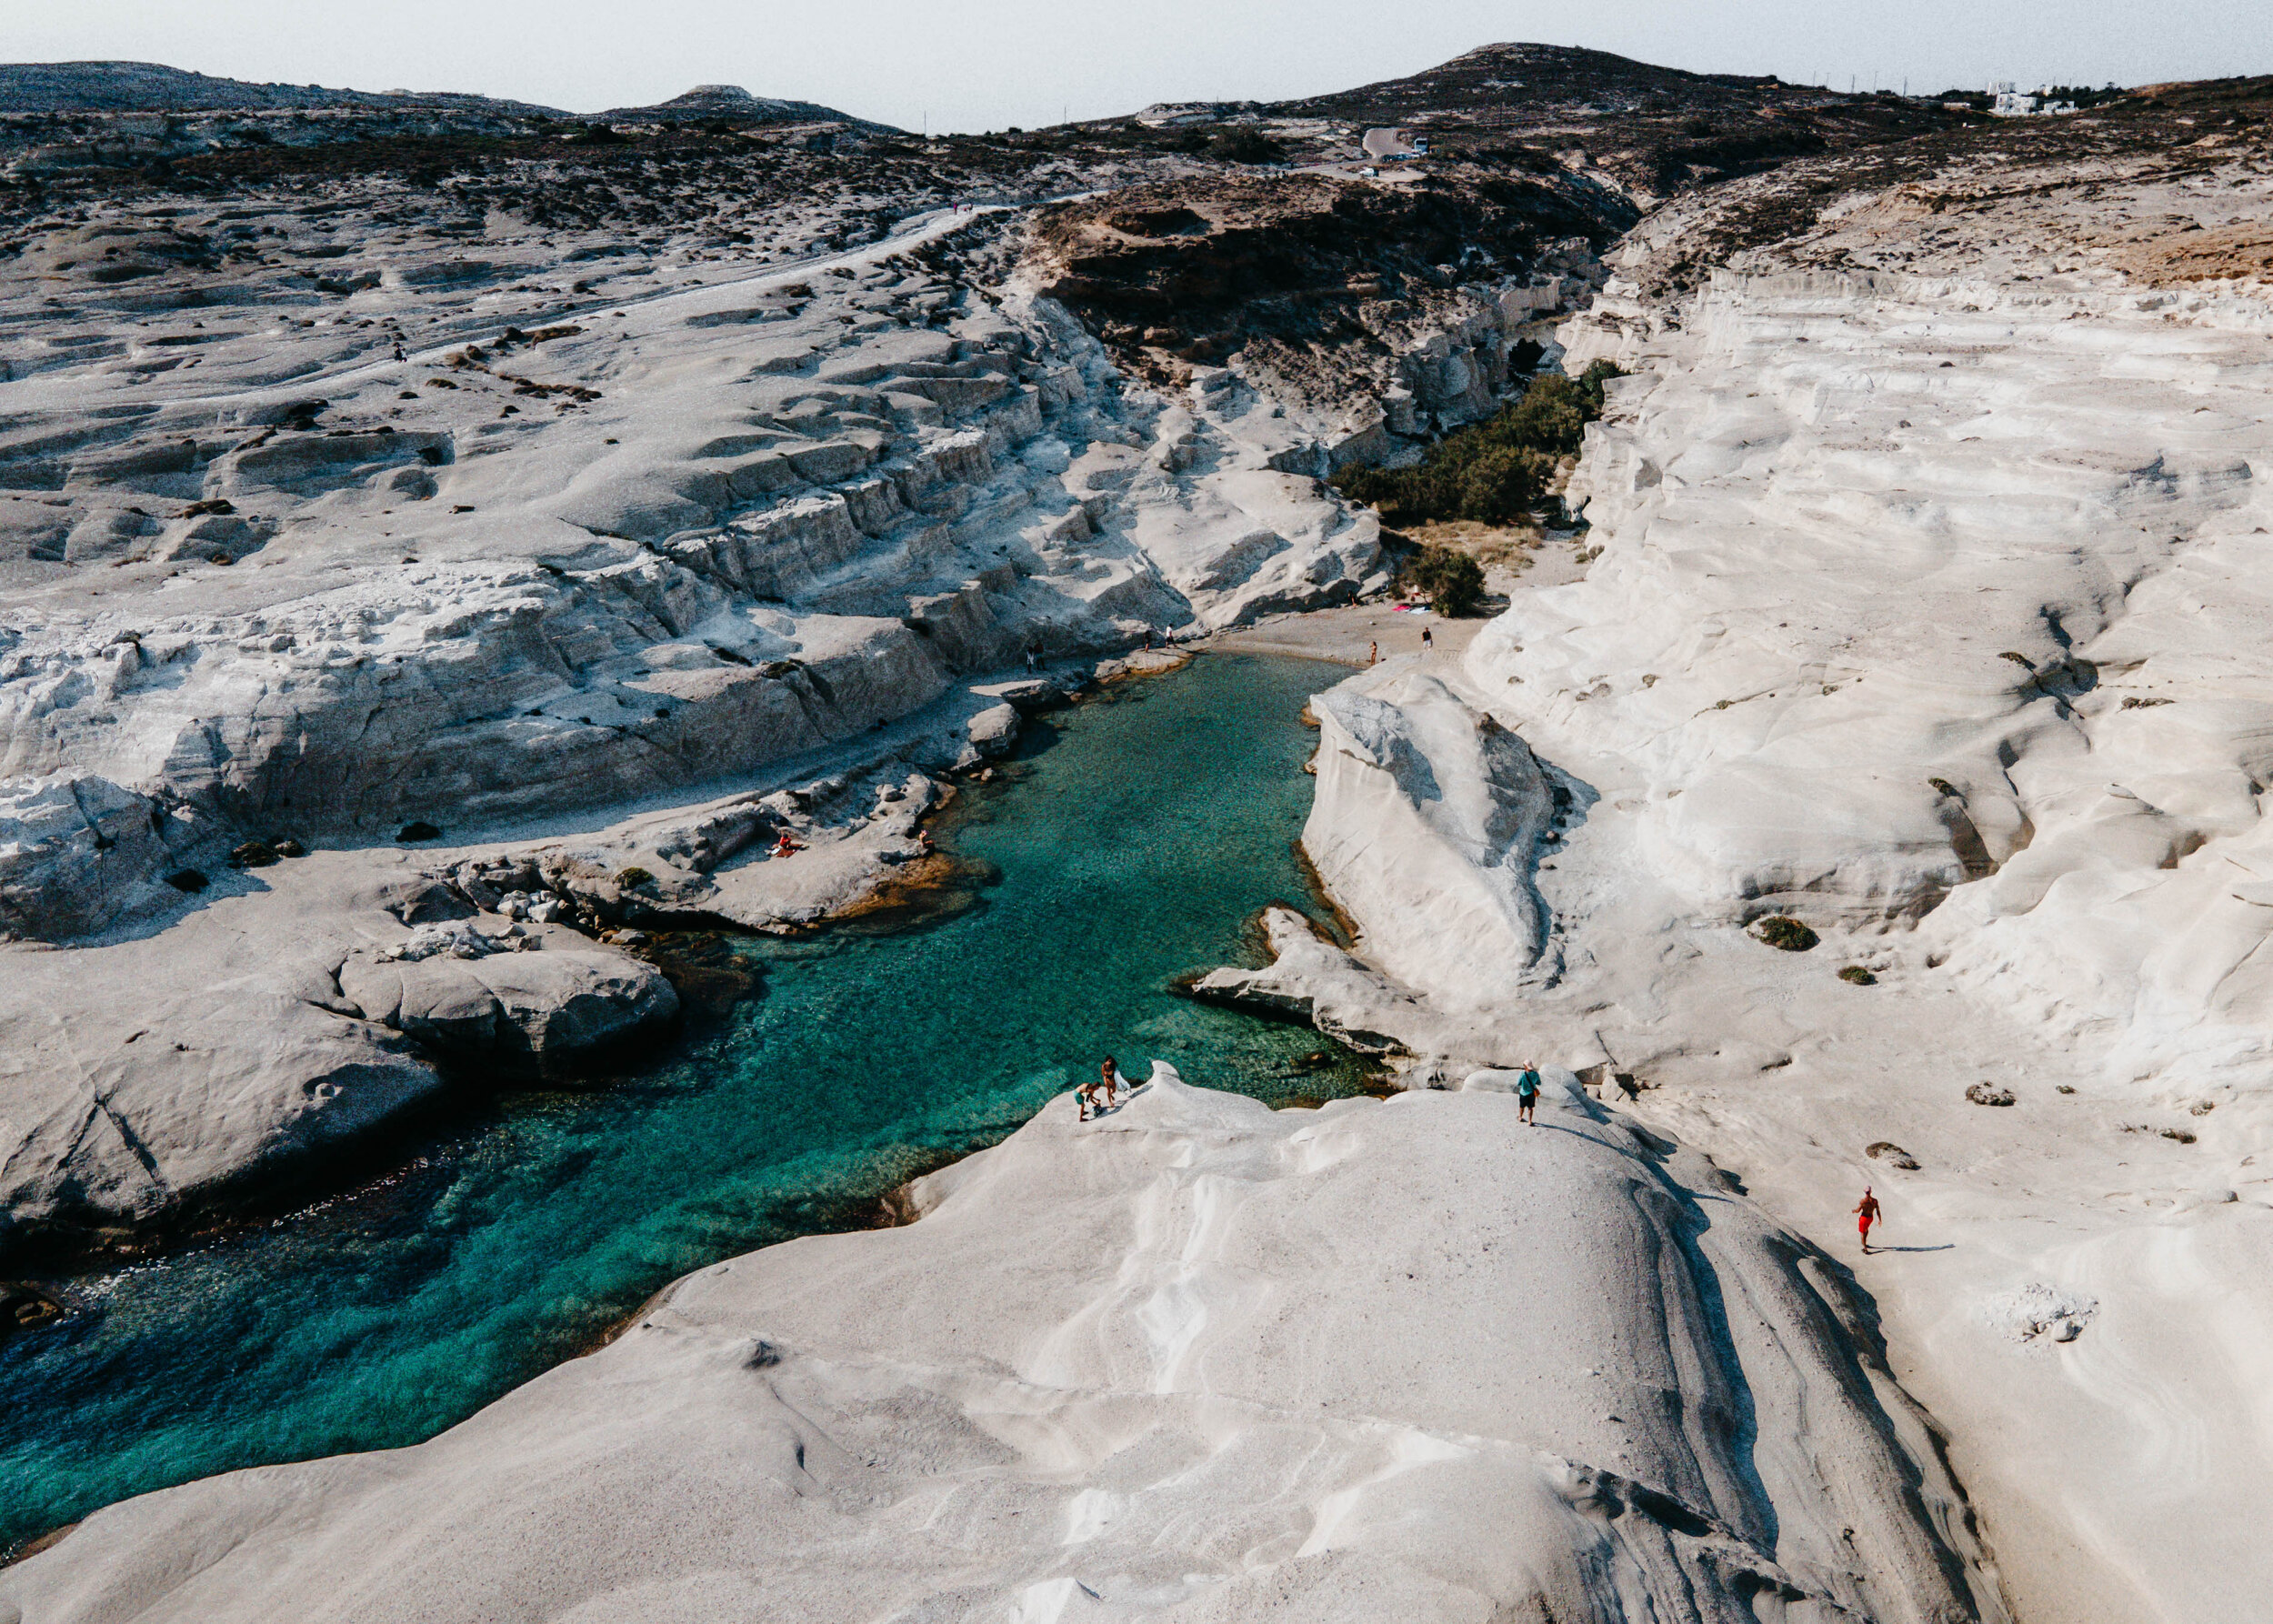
<point>985,65</point>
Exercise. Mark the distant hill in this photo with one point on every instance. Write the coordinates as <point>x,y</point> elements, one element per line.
<point>1525,83</point>
<point>733,103</point>
<point>153,88</point>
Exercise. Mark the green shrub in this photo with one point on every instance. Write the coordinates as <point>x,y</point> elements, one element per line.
<point>1590,384</point>
<point>1858,976</point>
<point>1495,471</point>
<point>1552,416</point>
<point>1453,581</point>
<point>1781,930</point>
<point>1502,484</point>
<point>632,879</point>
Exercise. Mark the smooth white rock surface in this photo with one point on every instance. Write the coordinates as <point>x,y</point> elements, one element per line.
<point>1928,604</point>
<point>1193,1360</point>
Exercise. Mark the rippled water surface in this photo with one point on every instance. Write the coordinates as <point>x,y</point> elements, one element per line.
<point>1132,847</point>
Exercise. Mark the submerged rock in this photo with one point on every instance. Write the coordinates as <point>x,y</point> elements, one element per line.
<point>25,1307</point>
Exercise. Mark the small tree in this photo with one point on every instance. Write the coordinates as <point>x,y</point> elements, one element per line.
<point>1590,384</point>
<point>1453,583</point>
<point>1501,485</point>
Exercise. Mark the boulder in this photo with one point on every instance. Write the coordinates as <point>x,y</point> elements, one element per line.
<point>79,853</point>
<point>130,1109</point>
<point>522,1015</point>
<point>995,730</point>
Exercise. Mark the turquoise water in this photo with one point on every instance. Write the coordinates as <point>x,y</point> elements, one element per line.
<point>1130,848</point>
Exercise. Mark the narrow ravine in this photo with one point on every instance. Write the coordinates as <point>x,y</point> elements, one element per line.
<point>1130,847</point>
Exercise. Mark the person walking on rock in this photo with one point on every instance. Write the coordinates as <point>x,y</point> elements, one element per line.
<point>1373,654</point>
<point>1866,1215</point>
<point>1109,1079</point>
<point>1526,1094</point>
<point>1428,638</point>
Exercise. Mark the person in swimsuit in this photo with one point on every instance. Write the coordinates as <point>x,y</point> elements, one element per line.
<point>1373,654</point>
<point>1109,1079</point>
<point>1527,1093</point>
<point>1866,1215</point>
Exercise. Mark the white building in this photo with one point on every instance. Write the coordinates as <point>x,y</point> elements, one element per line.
<point>2010,101</point>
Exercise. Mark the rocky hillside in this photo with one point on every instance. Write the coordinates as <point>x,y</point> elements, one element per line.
<point>1382,305</point>
<point>1319,280</point>
<point>1656,130</point>
<point>733,105</point>
<point>153,88</point>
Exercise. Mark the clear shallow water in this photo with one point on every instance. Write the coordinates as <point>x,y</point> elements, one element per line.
<point>1131,849</point>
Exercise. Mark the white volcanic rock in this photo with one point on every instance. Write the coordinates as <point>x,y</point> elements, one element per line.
<point>1194,1361</point>
<point>1424,828</point>
<point>262,1025</point>
<point>78,853</point>
<point>648,553</point>
<point>527,1014</point>
<point>1897,577</point>
<point>441,556</point>
<point>1311,979</point>
<point>1927,603</point>
<point>175,1084</point>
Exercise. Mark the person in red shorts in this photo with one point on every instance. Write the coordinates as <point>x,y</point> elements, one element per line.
<point>1866,1215</point>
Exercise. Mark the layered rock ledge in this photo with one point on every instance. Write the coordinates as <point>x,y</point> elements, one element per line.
<point>688,609</point>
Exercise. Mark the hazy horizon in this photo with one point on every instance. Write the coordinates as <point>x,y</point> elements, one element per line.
<point>985,66</point>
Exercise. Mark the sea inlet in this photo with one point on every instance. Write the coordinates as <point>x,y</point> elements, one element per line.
<point>1130,840</point>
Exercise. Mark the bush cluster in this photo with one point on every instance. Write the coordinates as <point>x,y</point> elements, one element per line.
<point>1495,471</point>
<point>1453,581</point>
<point>1247,146</point>
<point>1782,930</point>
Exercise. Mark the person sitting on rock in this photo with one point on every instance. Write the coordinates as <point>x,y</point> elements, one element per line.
<point>787,843</point>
